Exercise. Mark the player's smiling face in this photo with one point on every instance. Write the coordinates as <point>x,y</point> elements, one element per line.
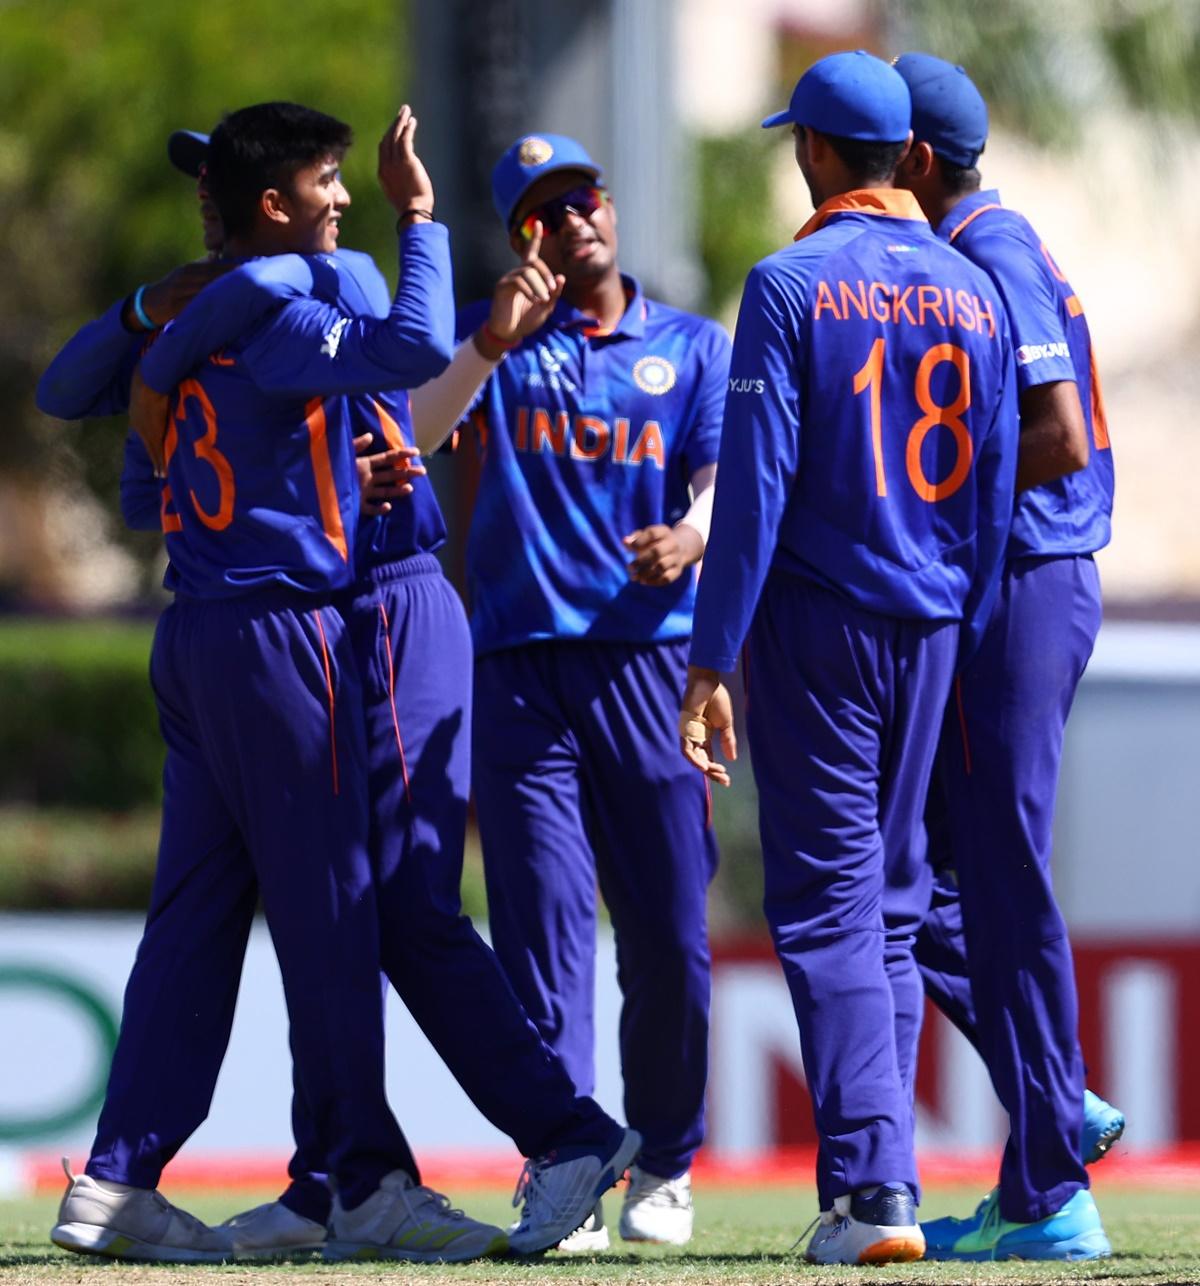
<point>584,249</point>
<point>316,198</point>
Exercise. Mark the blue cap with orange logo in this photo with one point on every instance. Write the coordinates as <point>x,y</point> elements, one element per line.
<point>850,95</point>
<point>530,158</point>
<point>948,112</point>
<point>188,151</point>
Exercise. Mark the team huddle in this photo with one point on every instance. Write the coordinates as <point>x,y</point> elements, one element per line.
<point>896,480</point>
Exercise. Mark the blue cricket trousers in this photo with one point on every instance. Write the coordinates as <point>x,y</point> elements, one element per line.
<point>261,709</point>
<point>999,766</point>
<point>843,709</point>
<point>413,649</point>
<point>578,779</point>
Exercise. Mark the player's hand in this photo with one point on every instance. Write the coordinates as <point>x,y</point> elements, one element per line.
<point>706,710</point>
<point>661,554</point>
<point>402,176</point>
<point>149,415</point>
<point>385,475</point>
<point>522,301</point>
<point>166,299</point>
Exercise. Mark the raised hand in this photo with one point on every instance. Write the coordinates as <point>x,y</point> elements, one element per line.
<point>707,708</point>
<point>402,176</point>
<point>522,302</point>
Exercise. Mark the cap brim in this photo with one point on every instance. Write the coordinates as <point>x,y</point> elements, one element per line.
<point>779,118</point>
<point>594,170</point>
<point>187,151</point>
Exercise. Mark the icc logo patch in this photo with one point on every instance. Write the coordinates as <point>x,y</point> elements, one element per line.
<point>534,151</point>
<point>654,375</point>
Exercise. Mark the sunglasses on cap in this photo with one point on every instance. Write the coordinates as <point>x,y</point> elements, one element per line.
<point>584,201</point>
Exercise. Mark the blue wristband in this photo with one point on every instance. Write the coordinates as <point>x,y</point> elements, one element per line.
<point>139,312</point>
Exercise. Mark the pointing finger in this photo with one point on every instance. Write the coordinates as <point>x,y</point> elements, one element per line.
<point>534,245</point>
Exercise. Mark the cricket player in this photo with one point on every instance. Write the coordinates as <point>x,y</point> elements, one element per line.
<point>999,759</point>
<point>866,470</point>
<point>411,639</point>
<point>591,428</point>
<point>261,707</point>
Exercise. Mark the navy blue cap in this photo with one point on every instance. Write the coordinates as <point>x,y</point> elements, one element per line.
<point>850,95</point>
<point>948,112</point>
<point>530,158</point>
<point>188,151</point>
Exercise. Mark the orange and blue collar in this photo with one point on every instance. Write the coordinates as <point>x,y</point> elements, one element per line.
<point>891,203</point>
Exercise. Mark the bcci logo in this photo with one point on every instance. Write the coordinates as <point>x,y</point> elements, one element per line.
<point>654,375</point>
<point>535,151</point>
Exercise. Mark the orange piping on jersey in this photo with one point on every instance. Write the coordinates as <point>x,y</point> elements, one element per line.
<point>707,805</point>
<point>982,209</point>
<point>318,449</point>
<point>1074,306</point>
<point>892,203</point>
<point>387,635</point>
<point>219,359</point>
<point>962,724</point>
<point>329,690</point>
<point>391,430</point>
<point>1099,416</point>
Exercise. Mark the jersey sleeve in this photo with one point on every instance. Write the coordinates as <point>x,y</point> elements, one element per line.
<point>141,491</point>
<point>311,348</point>
<point>704,436</point>
<point>757,464</point>
<point>1031,301</point>
<point>91,373</point>
<point>223,310</point>
<point>996,477</point>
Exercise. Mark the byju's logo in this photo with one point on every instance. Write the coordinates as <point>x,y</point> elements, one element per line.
<point>1027,354</point>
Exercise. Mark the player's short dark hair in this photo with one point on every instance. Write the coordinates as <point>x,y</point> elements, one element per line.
<point>867,162</point>
<point>262,147</point>
<point>959,179</point>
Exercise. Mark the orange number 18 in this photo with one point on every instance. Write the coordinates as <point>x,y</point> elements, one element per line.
<point>870,379</point>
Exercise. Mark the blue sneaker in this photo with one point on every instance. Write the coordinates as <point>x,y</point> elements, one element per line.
<point>1103,1125</point>
<point>1072,1233</point>
<point>943,1235</point>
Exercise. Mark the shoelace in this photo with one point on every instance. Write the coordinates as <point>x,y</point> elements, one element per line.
<point>439,1201</point>
<point>824,1216</point>
<point>531,1190</point>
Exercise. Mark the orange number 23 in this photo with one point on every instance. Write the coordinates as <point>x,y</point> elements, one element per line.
<point>206,450</point>
<point>869,379</point>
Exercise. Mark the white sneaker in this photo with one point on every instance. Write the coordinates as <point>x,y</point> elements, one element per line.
<point>879,1229</point>
<point>559,1196</point>
<point>272,1230</point>
<point>589,1237</point>
<point>400,1220</point>
<point>97,1217</point>
<point>657,1209</point>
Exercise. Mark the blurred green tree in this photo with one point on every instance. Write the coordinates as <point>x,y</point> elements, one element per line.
<point>90,207</point>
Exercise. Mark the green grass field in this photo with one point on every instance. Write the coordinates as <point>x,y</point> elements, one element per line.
<point>741,1238</point>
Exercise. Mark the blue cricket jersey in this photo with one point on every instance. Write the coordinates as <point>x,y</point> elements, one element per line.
<point>261,482</point>
<point>351,281</point>
<point>869,441</point>
<point>586,436</point>
<point>1070,515</point>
